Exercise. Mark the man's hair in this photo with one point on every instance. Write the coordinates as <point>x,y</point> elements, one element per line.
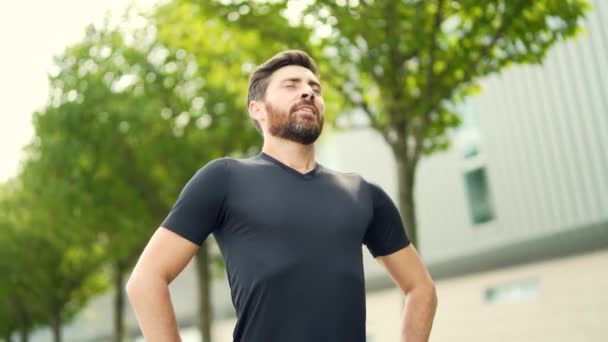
<point>260,78</point>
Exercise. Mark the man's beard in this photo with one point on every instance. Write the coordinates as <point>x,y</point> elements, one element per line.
<point>290,127</point>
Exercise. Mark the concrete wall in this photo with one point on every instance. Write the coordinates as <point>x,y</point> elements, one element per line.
<point>571,303</point>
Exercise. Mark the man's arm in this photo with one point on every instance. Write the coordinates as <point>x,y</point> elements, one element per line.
<point>407,270</point>
<point>164,257</point>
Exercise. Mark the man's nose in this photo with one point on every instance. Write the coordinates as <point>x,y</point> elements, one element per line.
<point>308,94</point>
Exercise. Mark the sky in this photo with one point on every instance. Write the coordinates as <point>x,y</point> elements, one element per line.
<point>31,33</point>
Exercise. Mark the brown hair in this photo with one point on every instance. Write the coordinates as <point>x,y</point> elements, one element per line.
<point>260,78</point>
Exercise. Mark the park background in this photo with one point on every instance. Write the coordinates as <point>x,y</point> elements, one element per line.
<point>486,121</point>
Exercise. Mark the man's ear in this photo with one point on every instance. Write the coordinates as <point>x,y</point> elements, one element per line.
<point>256,110</point>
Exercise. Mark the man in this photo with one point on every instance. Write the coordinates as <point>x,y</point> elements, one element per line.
<point>289,229</point>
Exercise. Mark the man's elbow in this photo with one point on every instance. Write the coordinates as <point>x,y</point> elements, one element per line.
<point>426,291</point>
<point>132,287</point>
<point>429,291</point>
<point>139,283</point>
<point>433,294</point>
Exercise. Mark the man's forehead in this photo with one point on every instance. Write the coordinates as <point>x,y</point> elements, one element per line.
<point>293,71</point>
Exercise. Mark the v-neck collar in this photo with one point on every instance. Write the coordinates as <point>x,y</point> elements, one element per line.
<point>308,175</point>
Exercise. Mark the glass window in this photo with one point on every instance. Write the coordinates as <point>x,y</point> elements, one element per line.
<point>468,138</point>
<point>512,292</point>
<point>478,194</point>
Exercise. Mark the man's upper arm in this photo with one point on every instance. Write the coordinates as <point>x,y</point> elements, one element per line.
<point>197,212</point>
<point>165,255</point>
<point>406,269</point>
<point>385,233</point>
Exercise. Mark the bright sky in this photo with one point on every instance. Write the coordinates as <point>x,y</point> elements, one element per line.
<point>31,33</point>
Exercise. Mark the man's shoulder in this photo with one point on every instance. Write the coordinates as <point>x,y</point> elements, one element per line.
<point>238,167</point>
<point>355,178</point>
<point>346,176</point>
<point>228,162</point>
<point>221,171</point>
<point>241,162</point>
<point>342,174</point>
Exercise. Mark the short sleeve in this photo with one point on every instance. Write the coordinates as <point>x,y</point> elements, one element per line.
<point>197,210</point>
<point>385,233</point>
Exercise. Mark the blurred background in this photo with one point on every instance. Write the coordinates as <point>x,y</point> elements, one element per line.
<point>485,120</point>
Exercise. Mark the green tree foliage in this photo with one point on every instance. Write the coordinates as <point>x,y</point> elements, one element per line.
<point>50,275</point>
<point>130,117</point>
<point>407,64</point>
<point>15,317</point>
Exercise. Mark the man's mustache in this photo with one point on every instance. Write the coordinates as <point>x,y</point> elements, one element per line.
<point>306,103</point>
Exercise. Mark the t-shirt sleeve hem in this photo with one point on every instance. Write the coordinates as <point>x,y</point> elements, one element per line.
<point>392,249</point>
<point>183,234</point>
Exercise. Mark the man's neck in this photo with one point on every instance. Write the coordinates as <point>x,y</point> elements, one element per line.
<point>295,155</point>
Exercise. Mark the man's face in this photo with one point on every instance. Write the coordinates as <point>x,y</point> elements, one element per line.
<point>294,105</point>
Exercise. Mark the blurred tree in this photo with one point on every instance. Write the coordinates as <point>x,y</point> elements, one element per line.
<point>13,315</point>
<point>106,133</point>
<point>131,115</point>
<point>82,140</point>
<point>18,312</point>
<point>50,275</point>
<point>406,64</point>
<point>8,320</point>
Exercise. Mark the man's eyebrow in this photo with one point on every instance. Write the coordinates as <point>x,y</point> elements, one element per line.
<point>298,79</point>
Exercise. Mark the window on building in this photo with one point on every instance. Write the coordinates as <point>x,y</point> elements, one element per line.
<point>516,291</point>
<point>468,139</point>
<point>478,194</point>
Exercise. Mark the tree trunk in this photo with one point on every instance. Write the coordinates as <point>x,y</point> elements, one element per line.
<point>24,333</point>
<point>204,291</point>
<point>407,206</point>
<point>119,303</point>
<point>23,318</point>
<point>56,325</point>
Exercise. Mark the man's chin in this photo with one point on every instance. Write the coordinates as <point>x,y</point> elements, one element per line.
<point>304,139</point>
<point>306,142</point>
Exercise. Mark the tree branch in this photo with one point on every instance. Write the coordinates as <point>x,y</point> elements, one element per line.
<point>504,26</point>
<point>368,112</point>
<point>433,36</point>
<point>397,99</point>
<point>469,73</point>
<point>428,94</point>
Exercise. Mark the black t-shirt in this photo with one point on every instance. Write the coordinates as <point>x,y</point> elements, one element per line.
<point>292,244</point>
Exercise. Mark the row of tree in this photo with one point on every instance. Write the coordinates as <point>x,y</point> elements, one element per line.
<point>141,103</point>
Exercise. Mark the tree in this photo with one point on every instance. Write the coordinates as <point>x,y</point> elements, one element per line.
<point>84,138</point>
<point>407,64</point>
<point>19,313</point>
<point>14,316</point>
<point>130,118</point>
<point>49,275</point>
